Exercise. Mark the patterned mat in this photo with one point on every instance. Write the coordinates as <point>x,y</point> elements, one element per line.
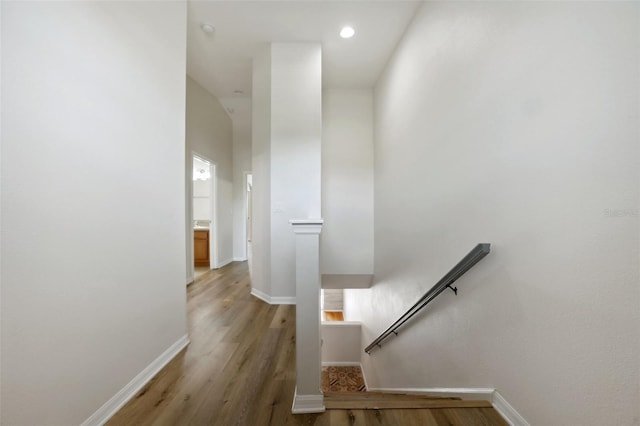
<point>342,379</point>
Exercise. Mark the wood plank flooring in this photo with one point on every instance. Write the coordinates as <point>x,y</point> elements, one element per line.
<point>332,316</point>
<point>240,370</point>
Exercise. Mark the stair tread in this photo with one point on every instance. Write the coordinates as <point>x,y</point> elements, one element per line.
<point>336,404</point>
<point>368,396</point>
<point>384,400</point>
<point>382,405</point>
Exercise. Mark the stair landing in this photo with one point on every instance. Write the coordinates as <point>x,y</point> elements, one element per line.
<point>344,388</point>
<point>382,401</point>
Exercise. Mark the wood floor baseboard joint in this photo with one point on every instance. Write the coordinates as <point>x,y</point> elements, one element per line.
<point>307,404</point>
<point>111,407</point>
<point>462,393</point>
<point>506,410</point>
<point>272,300</point>
<point>499,403</point>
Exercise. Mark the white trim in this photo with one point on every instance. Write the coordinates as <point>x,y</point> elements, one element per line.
<point>464,393</point>
<point>310,221</point>
<point>272,300</point>
<point>307,226</point>
<point>213,195</point>
<point>245,214</point>
<point>191,267</point>
<point>507,411</point>
<point>111,407</point>
<point>214,227</point>
<point>190,280</point>
<point>341,324</point>
<point>261,295</point>
<point>239,259</point>
<point>279,300</point>
<point>303,404</point>
<point>364,377</point>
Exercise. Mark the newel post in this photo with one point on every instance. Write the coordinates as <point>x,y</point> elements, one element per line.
<point>308,396</point>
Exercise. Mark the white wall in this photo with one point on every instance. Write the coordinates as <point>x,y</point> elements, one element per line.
<point>286,160</point>
<point>209,133</point>
<point>341,342</point>
<point>92,247</point>
<point>515,124</point>
<point>241,165</point>
<point>347,182</point>
<point>202,199</point>
<point>261,167</point>
<point>296,131</point>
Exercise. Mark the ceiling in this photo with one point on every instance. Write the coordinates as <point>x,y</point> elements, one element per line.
<point>222,61</point>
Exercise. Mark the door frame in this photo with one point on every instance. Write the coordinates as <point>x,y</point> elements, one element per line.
<point>247,215</point>
<point>213,227</point>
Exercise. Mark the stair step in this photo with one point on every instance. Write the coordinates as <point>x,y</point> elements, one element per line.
<point>381,401</point>
<point>364,396</point>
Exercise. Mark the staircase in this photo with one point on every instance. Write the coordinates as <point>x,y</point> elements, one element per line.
<point>395,409</point>
<point>342,344</point>
<point>382,401</point>
<point>344,389</point>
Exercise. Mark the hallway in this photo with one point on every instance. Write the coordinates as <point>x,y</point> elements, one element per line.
<point>235,370</point>
<point>240,369</point>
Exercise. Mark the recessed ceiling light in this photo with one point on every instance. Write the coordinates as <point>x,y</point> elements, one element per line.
<point>207,28</point>
<point>347,32</point>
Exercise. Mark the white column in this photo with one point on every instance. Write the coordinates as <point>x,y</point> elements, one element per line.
<point>261,168</point>
<point>308,396</point>
<point>287,137</point>
<point>296,152</point>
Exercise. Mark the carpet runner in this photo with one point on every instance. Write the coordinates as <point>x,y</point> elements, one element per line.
<point>342,379</point>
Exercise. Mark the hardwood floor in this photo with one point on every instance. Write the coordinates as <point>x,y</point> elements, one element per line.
<point>332,316</point>
<point>240,370</point>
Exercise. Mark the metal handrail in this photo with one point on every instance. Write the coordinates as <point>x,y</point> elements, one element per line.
<point>474,256</point>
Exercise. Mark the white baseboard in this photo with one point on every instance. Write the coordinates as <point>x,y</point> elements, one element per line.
<point>261,295</point>
<point>283,300</point>
<point>273,300</point>
<point>117,401</point>
<point>340,324</point>
<point>472,394</point>
<point>190,280</point>
<point>303,404</point>
<point>507,411</point>
<point>239,259</point>
<point>364,377</point>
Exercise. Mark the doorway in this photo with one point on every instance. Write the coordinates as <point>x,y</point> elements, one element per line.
<point>204,221</point>
<point>248,206</point>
